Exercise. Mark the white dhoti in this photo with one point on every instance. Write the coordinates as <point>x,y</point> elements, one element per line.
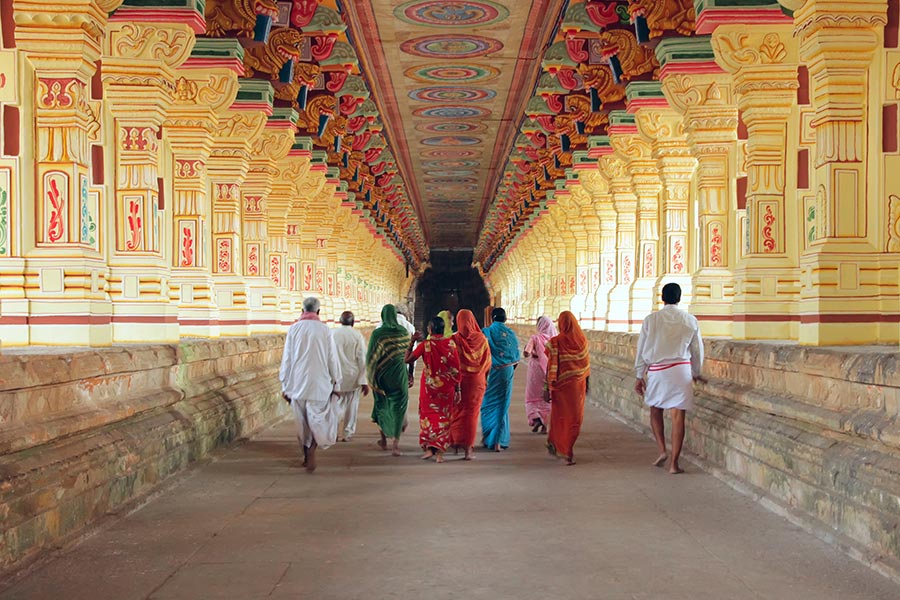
<point>348,408</point>
<point>317,420</point>
<point>670,386</point>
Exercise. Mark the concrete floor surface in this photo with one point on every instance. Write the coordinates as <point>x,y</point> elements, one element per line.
<point>514,525</point>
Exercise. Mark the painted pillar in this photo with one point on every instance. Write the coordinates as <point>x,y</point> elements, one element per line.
<point>604,278</point>
<point>50,226</point>
<point>662,127</point>
<point>703,94</point>
<point>138,75</point>
<point>763,62</point>
<point>206,86</point>
<point>645,183</point>
<point>848,293</point>
<point>624,203</point>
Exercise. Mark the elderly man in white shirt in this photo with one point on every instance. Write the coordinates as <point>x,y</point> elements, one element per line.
<point>351,350</point>
<point>309,373</point>
<point>670,356</point>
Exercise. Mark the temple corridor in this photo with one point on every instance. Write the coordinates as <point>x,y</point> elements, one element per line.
<point>252,524</point>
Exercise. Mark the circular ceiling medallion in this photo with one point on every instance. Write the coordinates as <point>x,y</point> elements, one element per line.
<point>451,127</point>
<point>451,46</point>
<point>452,153</point>
<point>451,173</point>
<point>451,140</point>
<point>453,73</point>
<point>441,13</point>
<point>452,112</point>
<point>450,164</point>
<point>449,93</point>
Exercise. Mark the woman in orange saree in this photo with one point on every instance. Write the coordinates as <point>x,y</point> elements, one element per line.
<point>568,369</point>
<point>440,384</point>
<point>474,364</point>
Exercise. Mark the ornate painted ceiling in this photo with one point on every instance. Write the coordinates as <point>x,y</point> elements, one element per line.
<point>451,80</point>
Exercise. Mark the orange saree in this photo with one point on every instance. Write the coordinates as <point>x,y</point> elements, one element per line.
<point>475,362</point>
<point>568,368</point>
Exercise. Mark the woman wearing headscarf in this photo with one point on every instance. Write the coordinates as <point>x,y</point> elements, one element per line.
<point>440,382</point>
<point>475,362</point>
<point>537,401</point>
<point>388,377</point>
<point>448,322</point>
<point>504,357</point>
<point>568,369</point>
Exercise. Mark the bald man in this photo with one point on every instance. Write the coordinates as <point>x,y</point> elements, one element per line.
<point>351,350</point>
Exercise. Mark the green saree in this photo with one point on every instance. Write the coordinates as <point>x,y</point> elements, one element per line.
<point>388,375</point>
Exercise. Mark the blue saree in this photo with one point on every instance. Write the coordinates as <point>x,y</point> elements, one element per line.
<point>495,407</point>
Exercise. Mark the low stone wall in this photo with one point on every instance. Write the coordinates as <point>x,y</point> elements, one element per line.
<point>813,431</point>
<point>83,433</point>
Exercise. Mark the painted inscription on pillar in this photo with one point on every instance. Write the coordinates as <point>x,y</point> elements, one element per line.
<point>223,255</point>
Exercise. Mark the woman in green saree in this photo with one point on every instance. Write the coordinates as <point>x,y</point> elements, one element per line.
<point>389,377</point>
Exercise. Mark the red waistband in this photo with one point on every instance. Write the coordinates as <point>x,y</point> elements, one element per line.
<point>669,366</point>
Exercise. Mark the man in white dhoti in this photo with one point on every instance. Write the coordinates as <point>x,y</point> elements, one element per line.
<point>351,350</point>
<point>309,372</point>
<point>670,356</point>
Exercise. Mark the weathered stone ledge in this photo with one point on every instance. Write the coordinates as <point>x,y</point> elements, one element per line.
<point>83,433</point>
<point>814,430</point>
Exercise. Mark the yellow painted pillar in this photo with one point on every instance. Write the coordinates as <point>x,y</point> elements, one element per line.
<point>272,146</point>
<point>604,277</point>
<point>663,129</point>
<point>763,62</point>
<point>710,114</point>
<point>202,95</point>
<point>849,286</point>
<point>583,223</point>
<point>53,273</point>
<point>285,187</point>
<point>229,162</point>
<point>624,203</point>
<point>138,75</point>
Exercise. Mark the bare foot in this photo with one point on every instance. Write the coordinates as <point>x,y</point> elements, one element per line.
<point>570,461</point>
<point>439,458</point>
<point>470,455</point>
<point>395,451</point>
<point>497,448</point>
<point>661,460</point>
<point>382,443</point>
<point>311,461</point>
<point>428,454</point>
<point>675,470</point>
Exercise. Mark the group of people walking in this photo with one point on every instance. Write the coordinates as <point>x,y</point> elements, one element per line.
<point>467,376</point>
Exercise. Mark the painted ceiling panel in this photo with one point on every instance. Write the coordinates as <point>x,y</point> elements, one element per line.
<point>451,80</point>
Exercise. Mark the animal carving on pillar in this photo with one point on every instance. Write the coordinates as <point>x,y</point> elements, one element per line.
<point>323,104</point>
<point>304,74</point>
<point>666,15</point>
<point>283,45</point>
<point>635,59</point>
<point>236,17</point>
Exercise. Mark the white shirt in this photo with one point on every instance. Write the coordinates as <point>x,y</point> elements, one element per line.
<point>309,365</point>
<point>351,350</point>
<point>668,336</point>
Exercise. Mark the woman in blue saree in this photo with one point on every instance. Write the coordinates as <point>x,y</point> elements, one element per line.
<point>495,407</point>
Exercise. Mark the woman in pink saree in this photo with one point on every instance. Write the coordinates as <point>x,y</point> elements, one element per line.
<point>537,404</point>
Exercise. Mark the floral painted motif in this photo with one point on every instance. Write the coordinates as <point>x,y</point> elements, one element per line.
<point>715,247</point>
<point>609,273</point>
<point>677,257</point>
<point>626,269</point>
<point>88,226</point>
<point>56,199</point>
<point>768,236</point>
<point>187,246</point>
<point>307,277</point>
<point>648,261</point>
<point>253,260</point>
<point>320,281</point>
<point>275,269</point>
<point>4,212</point>
<point>223,255</point>
<point>135,224</point>
<point>292,277</point>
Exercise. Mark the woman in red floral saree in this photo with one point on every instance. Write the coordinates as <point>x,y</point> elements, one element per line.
<point>440,384</point>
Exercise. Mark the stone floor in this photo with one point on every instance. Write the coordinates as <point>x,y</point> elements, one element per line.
<point>252,525</point>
